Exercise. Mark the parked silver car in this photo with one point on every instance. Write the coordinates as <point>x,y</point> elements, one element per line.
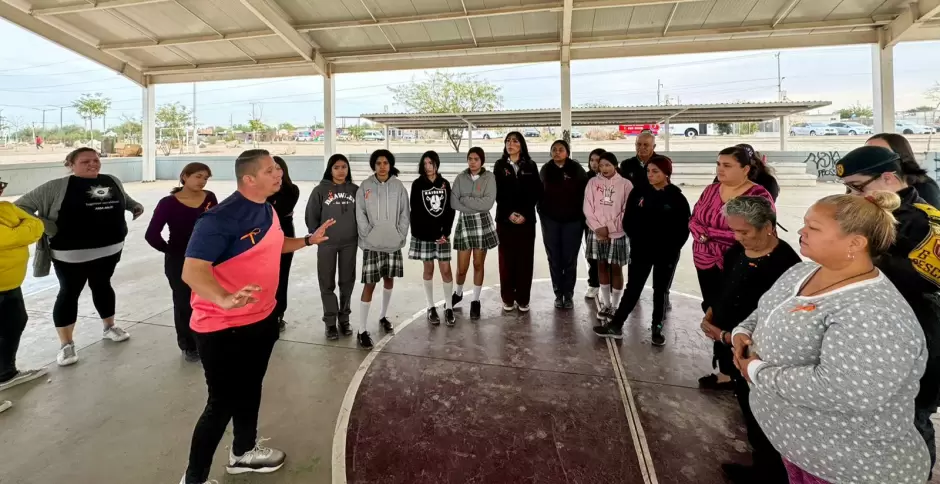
<point>850,128</point>
<point>813,129</point>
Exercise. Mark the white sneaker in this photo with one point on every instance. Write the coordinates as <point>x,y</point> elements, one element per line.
<point>509,307</point>
<point>68,355</point>
<point>22,377</point>
<point>5,405</point>
<point>116,334</point>
<point>260,459</point>
<point>591,292</point>
<point>211,481</point>
<point>524,309</point>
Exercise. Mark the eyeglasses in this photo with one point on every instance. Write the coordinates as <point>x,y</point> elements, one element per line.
<point>860,187</point>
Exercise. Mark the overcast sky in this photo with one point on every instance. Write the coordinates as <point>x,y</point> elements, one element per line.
<point>41,75</point>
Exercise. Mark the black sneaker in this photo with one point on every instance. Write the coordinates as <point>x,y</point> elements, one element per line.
<point>364,340</point>
<point>191,356</point>
<point>455,299</point>
<point>332,333</point>
<point>658,338</point>
<point>386,325</point>
<point>345,328</point>
<point>449,318</point>
<point>475,310</point>
<point>739,473</point>
<point>433,318</point>
<point>281,325</point>
<point>605,331</point>
<point>567,302</point>
<point>559,302</point>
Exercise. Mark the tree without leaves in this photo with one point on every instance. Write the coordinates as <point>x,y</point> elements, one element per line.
<point>933,94</point>
<point>91,106</point>
<point>130,129</point>
<point>445,92</point>
<point>174,118</point>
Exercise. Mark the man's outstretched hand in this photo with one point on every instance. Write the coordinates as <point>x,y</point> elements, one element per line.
<point>319,235</point>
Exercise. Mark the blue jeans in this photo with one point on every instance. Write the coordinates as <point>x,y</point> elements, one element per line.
<point>562,244</point>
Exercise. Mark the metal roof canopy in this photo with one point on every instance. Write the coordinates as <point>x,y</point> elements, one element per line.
<point>167,41</point>
<point>689,113</point>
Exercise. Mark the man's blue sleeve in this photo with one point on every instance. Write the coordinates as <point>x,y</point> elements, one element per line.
<point>210,238</point>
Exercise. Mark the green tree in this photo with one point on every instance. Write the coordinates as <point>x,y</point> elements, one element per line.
<point>856,111</point>
<point>447,92</point>
<point>748,128</point>
<point>317,125</point>
<point>91,106</point>
<point>355,132</point>
<point>286,126</point>
<point>725,128</point>
<point>130,129</point>
<point>173,120</point>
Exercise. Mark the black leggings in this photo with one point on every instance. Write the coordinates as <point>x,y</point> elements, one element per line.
<point>182,307</point>
<point>72,278</point>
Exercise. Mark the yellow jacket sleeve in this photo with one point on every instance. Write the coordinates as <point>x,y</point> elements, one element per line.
<point>17,228</point>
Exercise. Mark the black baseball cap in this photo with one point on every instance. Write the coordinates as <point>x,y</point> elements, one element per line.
<point>868,160</point>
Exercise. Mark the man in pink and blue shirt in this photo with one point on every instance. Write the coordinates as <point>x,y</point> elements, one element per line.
<point>232,265</point>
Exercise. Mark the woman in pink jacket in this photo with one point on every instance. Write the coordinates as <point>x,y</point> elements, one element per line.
<point>604,201</point>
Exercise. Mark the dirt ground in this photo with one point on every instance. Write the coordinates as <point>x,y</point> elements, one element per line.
<point>921,144</point>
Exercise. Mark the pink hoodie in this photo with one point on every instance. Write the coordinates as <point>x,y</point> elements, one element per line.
<point>604,202</point>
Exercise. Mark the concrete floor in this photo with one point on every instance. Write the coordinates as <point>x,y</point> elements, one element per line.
<point>125,412</point>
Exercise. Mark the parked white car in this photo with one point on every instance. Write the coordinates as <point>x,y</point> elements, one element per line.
<point>907,127</point>
<point>481,134</point>
<point>813,129</point>
<point>851,128</point>
<point>373,135</point>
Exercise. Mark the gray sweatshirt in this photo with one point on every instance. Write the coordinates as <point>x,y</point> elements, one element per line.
<point>337,202</point>
<point>469,196</point>
<point>835,383</point>
<point>382,214</point>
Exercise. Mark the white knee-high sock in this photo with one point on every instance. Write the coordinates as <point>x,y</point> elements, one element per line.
<point>459,290</point>
<point>476,292</point>
<point>386,298</point>
<point>429,292</point>
<point>605,294</point>
<point>363,315</point>
<point>448,290</point>
<point>615,301</point>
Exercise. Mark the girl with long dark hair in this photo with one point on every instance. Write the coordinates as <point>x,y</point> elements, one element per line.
<point>518,189</point>
<point>432,218</point>
<point>284,202</point>
<point>179,212</point>
<point>563,182</point>
<point>382,216</point>
<point>335,198</point>
<point>474,194</point>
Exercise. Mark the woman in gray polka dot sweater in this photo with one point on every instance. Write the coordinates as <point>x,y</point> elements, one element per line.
<point>834,354</point>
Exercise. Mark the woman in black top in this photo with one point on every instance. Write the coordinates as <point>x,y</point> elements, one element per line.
<point>561,209</point>
<point>913,174</point>
<point>518,189</point>
<point>284,202</point>
<point>83,215</point>
<point>432,219</point>
<point>657,224</point>
<point>751,267</point>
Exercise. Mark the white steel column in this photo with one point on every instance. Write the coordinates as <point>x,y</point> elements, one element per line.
<point>566,100</point>
<point>387,141</point>
<point>469,135</point>
<point>148,131</point>
<point>784,132</point>
<point>666,136</point>
<point>329,117</point>
<point>882,69</point>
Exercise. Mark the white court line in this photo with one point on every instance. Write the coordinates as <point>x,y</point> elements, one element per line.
<point>644,458</point>
<point>342,420</point>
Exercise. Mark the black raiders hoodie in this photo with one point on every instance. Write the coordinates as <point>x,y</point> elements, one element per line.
<point>431,213</point>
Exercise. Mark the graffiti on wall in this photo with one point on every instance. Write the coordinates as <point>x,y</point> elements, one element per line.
<point>825,163</point>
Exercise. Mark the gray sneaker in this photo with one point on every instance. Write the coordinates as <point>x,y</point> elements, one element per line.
<point>67,355</point>
<point>211,481</point>
<point>22,377</point>
<point>5,405</point>
<point>260,459</point>
<point>116,334</point>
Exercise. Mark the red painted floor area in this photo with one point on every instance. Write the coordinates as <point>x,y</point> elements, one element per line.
<point>519,398</point>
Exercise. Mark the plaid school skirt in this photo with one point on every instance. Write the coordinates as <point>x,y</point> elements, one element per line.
<point>377,265</point>
<point>614,252</point>
<point>475,231</point>
<point>428,250</point>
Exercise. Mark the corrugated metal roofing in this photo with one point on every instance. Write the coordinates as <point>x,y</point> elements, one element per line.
<point>182,40</point>
<point>687,113</point>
